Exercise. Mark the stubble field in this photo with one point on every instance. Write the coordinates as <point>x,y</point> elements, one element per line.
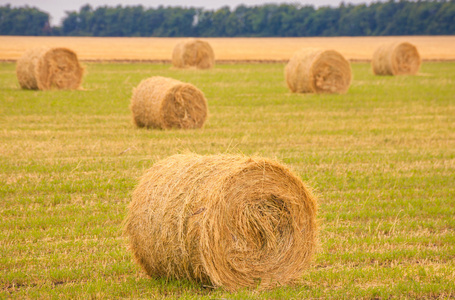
<point>381,160</point>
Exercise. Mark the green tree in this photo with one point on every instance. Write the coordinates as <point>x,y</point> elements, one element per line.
<point>219,20</point>
<point>23,21</point>
<point>444,19</point>
<point>394,17</point>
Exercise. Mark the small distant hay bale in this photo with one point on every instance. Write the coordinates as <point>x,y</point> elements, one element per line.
<point>160,102</point>
<point>49,68</point>
<point>193,53</point>
<point>396,59</point>
<point>228,221</point>
<point>313,70</point>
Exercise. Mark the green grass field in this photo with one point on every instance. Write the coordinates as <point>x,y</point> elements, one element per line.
<point>381,160</point>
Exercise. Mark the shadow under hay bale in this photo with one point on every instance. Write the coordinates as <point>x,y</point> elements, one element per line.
<point>225,220</point>
<point>160,102</point>
<point>313,70</point>
<point>193,53</point>
<point>49,68</point>
<point>396,59</point>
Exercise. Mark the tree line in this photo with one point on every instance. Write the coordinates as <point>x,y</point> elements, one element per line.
<point>403,17</point>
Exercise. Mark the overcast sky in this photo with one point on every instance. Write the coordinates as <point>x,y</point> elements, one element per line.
<point>57,8</point>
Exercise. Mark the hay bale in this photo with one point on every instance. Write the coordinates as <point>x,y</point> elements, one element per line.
<point>313,70</point>
<point>193,53</point>
<point>160,102</point>
<point>396,59</point>
<point>225,220</point>
<point>49,68</point>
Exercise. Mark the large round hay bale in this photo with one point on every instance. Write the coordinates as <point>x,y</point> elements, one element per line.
<point>396,59</point>
<point>49,68</point>
<point>313,70</point>
<point>225,220</point>
<point>193,53</point>
<point>161,102</point>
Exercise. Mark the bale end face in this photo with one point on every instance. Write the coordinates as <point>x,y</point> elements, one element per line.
<point>59,69</point>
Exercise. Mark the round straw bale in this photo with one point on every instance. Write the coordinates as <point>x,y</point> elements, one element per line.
<point>160,102</point>
<point>318,71</point>
<point>49,68</point>
<point>225,220</point>
<point>193,53</point>
<point>396,59</point>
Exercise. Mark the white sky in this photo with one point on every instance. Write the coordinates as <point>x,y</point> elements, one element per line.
<point>57,8</point>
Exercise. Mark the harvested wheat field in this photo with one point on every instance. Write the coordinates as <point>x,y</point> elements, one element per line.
<point>226,49</point>
<point>380,160</point>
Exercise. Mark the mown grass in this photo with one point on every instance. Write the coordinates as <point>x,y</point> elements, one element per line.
<point>381,160</point>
